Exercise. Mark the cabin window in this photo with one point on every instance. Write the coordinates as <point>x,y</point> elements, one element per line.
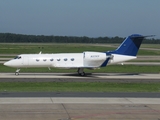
<point>51,59</point>
<point>44,59</point>
<point>58,59</point>
<point>65,59</point>
<point>37,60</point>
<point>72,59</point>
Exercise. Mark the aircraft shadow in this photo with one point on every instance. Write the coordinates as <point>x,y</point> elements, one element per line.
<point>77,75</point>
<point>99,74</point>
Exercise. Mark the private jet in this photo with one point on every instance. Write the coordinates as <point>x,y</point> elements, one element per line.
<point>80,61</point>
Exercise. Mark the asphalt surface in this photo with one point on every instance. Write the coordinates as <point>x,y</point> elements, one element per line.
<point>68,77</point>
<point>120,80</point>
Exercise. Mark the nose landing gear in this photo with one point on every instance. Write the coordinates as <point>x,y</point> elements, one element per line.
<point>17,72</point>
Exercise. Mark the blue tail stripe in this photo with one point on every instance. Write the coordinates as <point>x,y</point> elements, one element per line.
<point>105,62</point>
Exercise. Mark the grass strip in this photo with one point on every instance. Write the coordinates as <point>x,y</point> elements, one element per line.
<point>78,87</point>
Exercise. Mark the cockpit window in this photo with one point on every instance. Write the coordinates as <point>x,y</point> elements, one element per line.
<point>17,57</point>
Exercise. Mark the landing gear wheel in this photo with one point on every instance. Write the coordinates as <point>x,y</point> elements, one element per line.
<point>16,73</point>
<point>82,74</point>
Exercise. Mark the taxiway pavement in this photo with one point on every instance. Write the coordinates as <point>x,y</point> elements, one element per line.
<point>75,75</point>
<point>69,77</point>
<point>79,108</point>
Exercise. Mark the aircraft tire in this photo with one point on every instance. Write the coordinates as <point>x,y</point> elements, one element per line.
<point>16,73</point>
<point>82,74</point>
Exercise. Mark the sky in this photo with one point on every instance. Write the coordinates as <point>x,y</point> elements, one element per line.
<point>91,18</point>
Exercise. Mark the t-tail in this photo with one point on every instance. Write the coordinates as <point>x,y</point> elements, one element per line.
<point>128,49</point>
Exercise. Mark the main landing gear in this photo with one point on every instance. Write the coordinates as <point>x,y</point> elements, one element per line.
<point>81,72</point>
<point>17,72</point>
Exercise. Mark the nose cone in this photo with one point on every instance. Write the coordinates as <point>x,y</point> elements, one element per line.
<point>8,64</point>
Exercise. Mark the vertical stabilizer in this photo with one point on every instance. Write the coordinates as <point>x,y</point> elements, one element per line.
<point>130,45</point>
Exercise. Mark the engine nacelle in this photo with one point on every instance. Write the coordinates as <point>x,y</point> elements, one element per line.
<point>94,59</point>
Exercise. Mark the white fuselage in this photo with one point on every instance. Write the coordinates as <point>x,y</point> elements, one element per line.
<point>66,60</point>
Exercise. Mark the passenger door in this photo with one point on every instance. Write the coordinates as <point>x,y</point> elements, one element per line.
<point>25,61</point>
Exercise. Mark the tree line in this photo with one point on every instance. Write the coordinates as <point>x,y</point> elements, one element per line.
<point>20,38</point>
